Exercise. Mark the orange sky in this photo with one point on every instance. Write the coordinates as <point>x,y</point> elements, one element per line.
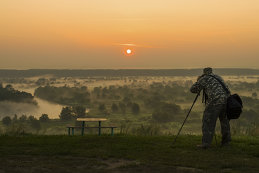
<point>93,33</point>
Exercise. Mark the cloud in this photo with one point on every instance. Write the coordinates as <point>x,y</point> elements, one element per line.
<point>126,44</point>
<point>133,45</point>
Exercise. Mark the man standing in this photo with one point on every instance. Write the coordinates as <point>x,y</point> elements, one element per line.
<point>215,107</point>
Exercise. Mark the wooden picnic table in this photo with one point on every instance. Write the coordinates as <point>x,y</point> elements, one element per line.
<point>83,127</point>
<point>99,120</point>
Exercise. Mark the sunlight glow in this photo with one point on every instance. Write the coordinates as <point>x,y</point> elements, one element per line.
<point>128,51</point>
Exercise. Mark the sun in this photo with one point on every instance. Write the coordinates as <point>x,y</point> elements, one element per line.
<point>128,51</point>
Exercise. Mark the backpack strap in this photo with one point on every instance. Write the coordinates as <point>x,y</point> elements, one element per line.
<point>222,84</point>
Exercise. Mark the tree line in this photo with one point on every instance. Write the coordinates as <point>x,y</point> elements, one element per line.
<point>8,93</point>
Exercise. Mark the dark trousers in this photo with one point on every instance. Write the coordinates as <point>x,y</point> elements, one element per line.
<point>211,114</point>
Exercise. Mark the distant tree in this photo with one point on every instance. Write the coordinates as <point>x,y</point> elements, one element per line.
<point>104,95</point>
<point>66,114</point>
<point>8,93</point>
<point>129,104</point>
<point>15,118</point>
<point>126,100</point>
<point>31,118</point>
<point>41,81</point>
<point>135,108</point>
<point>254,94</point>
<point>44,118</point>
<point>79,111</point>
<point>7,120</point>
<point>64,95</point>
<point>83,88</point>
<point>9,87</point>
<point>102,107</point>
<point>97,91</point>
<point>166,112</point>
<point>114,107</point>
<point>122,108</point>
<point>23,118</point>
<point>82,98</point>
<point>153,101</point>
<point>104,92</point>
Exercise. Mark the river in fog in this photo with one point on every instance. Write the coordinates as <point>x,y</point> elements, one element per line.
<point>52,109</point>
<point>44,107</point>
<point>10,108</point>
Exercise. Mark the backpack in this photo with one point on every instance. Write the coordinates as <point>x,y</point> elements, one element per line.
<point>234,103</point>
<point>234,106</point>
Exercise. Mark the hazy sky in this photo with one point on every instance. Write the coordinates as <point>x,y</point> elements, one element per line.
<point>161,33</point>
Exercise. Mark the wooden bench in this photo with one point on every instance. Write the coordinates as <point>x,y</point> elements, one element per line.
<point>83,127</point>
<point>72,131</point>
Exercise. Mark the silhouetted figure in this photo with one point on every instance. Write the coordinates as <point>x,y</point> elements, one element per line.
<point>215,98</point>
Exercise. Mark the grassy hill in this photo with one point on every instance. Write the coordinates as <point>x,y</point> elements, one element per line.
<point>125,154</point>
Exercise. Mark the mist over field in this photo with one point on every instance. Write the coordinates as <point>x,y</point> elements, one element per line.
<point>130,99</point>
<point>8,108</point>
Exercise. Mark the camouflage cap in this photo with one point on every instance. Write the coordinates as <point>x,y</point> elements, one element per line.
<point>207,70</point>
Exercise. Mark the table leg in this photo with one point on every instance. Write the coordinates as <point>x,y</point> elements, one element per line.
<point>99,128</point>
<point>83,128</point>
<point>112,131</point>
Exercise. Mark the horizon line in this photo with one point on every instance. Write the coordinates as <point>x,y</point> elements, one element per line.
<point>127,68</point>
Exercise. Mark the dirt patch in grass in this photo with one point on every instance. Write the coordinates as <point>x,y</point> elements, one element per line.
<point>119,163</point>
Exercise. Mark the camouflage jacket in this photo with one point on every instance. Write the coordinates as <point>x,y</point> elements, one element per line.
<point>214,90</point>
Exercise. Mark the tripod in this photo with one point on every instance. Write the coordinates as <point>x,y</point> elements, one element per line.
<point>186,117</point>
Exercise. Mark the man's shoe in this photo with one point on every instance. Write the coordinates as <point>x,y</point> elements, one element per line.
<point>202,146</point>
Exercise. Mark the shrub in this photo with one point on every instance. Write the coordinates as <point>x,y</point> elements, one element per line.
<point>254,94</point>
<point>122,107</point>
<point>66,114</point>
<point>147,130</point>
<point>125,128</point>
<point>135,108</point>
<point>7,120</point>
<point>44,118</point>
<point>114,108</point>
<point>102,107</point>
<point>166,112</point>
<point>79,111</point>
<point>23,118</point>
<point>15,118</point>
<point>31,118</point>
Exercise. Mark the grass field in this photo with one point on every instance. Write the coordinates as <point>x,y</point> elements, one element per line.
<point>92,153</point>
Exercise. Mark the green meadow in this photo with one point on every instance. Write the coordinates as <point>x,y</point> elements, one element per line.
<point>125,153</point>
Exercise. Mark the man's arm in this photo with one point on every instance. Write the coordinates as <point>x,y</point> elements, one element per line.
<point>197,86</point>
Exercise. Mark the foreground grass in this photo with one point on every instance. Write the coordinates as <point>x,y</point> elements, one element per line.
<point>125,154</point>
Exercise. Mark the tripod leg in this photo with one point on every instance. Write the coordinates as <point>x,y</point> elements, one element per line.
<point>186,117</point>
<point>216,139</point>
